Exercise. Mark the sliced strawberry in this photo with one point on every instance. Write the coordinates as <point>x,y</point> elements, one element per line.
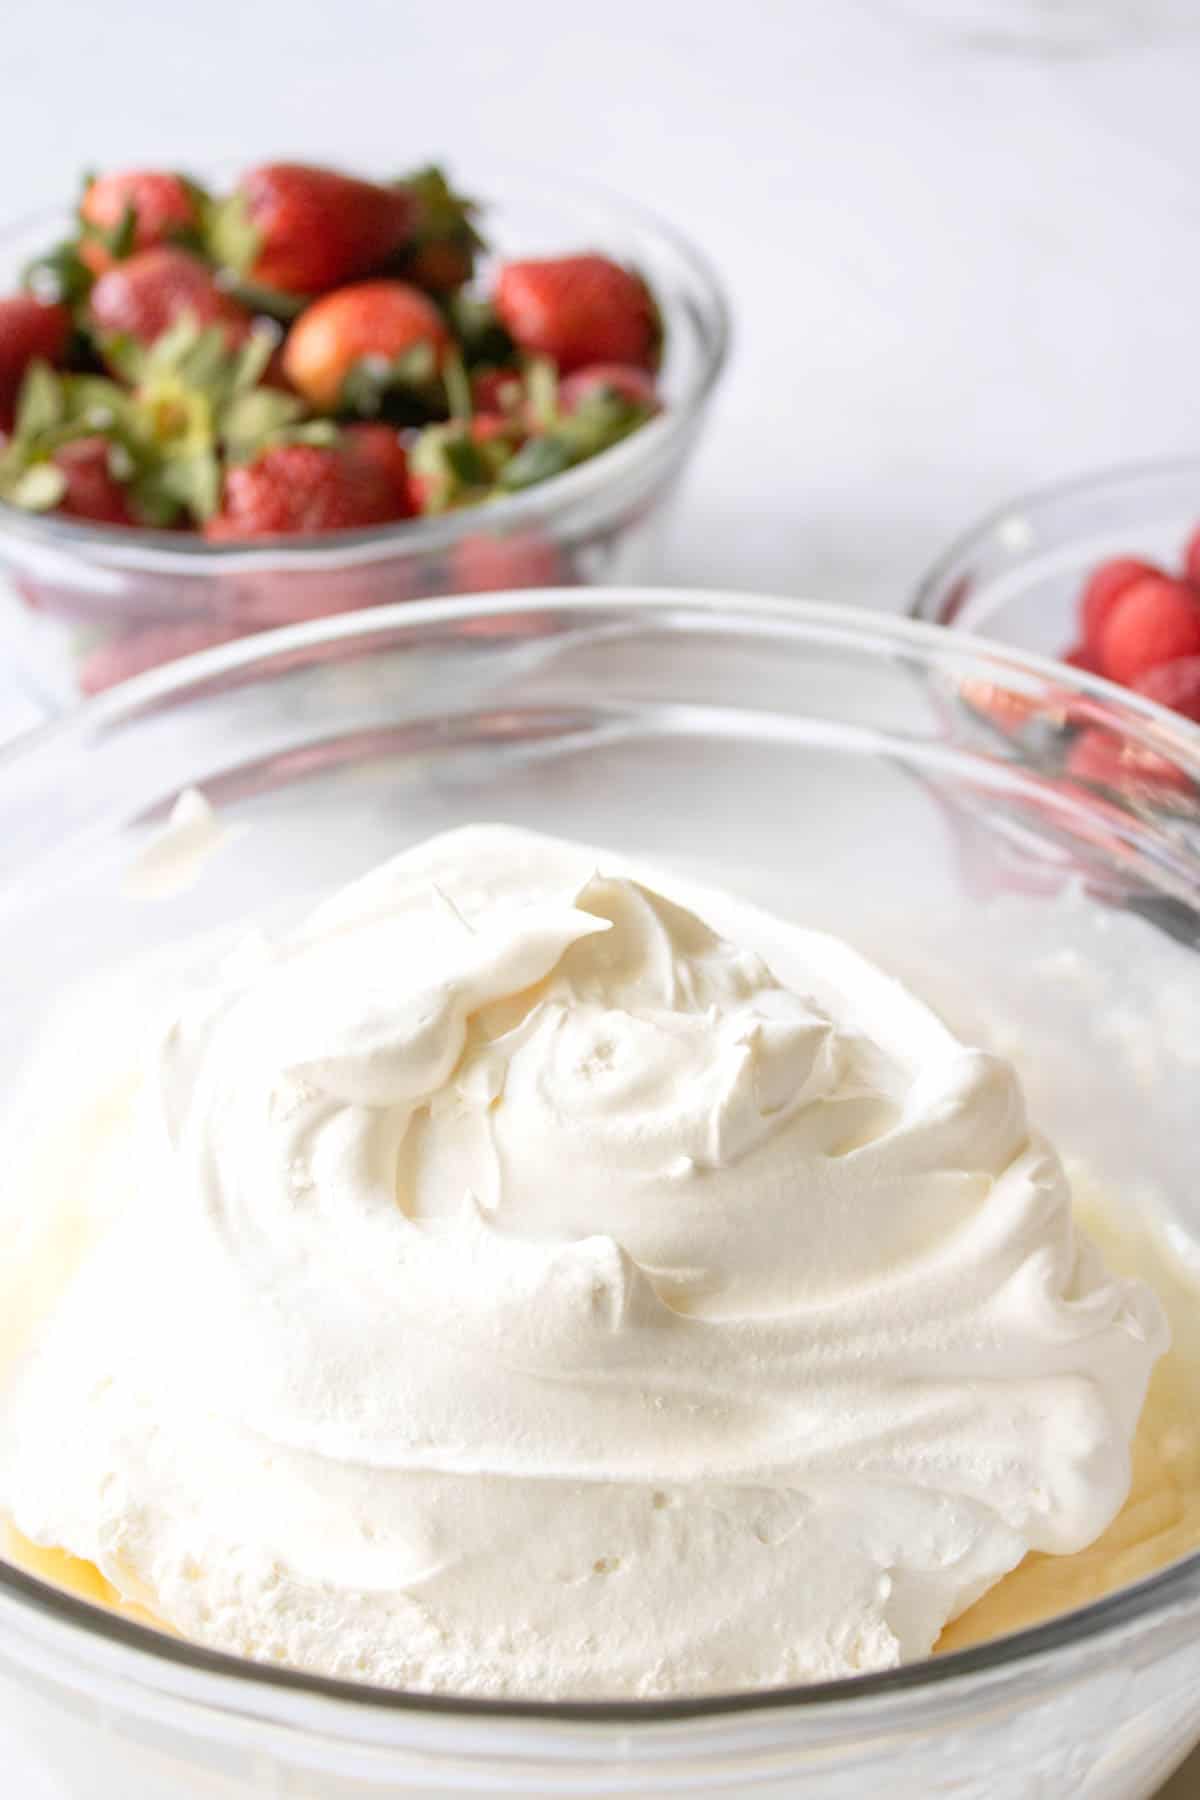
<point>144,207</point>
<point>1156,620</point>
<point>579,310</point>
<point>309,228</point>
<point>29,330</point>
<point>93,492</point>
<point>1174,684</point>
<point>388,325</point>
<point>145,295</point>
<point>1101,592</point>
<point>304,488</point>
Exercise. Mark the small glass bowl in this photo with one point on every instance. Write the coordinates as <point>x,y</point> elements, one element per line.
<point>1016,576</point>
<point>813,761</point>
<point>90,605</point>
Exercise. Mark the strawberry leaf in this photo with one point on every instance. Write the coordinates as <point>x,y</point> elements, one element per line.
<point>541,389</point>
<point>404,387</point>
<point>253,420</point>
<point>38,488</point>
<point>194,479</point>
<point>42,403</point>
<point>480,334</point>
<point>273,303</point>
<point>537,460</point>
<point>442,213</point>
<point>234,240</point>
<point>59,274</point>
<point>458,387</point>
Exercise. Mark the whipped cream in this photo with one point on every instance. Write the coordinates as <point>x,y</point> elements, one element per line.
<point>511,1283</point>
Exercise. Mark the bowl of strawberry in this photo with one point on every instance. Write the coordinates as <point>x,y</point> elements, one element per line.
<point>226,407</point>
<point>1104,574</point>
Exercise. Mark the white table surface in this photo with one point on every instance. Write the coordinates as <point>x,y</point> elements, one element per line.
<point>962,236</point>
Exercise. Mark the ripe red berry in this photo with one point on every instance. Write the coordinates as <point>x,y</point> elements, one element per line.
<point>1082,656</point>
<point>146,294</point>
<point>295,489</point>
<point>160,206</point>
<point>1157,620</point>
<point>29,329</point>
<point>1191,558</point>
<point>376,321</point>
<point>578,310</point>
<point>315,228</point>
<point>1175,685</point>
<point>93,492</point>
<point>1101,592</point>
<point>379,447</point>
<point>496,391</point>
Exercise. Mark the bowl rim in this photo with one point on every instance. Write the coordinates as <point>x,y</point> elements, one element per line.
<point>893,637</point>
<point>179,552</point>
<point>920,604</point>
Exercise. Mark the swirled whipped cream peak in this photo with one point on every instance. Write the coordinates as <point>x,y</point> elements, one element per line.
<point>533,1276</point>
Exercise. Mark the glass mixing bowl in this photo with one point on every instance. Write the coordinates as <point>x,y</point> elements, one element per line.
<point>91,605</point>
<point>821,765</point>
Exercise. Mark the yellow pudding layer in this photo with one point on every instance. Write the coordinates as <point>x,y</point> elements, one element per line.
<point>1159,1522</point>
<point>70,1572</point>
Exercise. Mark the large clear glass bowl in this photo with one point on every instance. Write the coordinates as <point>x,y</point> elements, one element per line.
<point>90,605</point>
<point>820,764</point>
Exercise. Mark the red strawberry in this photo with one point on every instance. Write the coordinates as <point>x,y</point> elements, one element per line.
<point>487,427</point>
<point>159,205</point>
<point>1191,558</point>
<point>579,310</point>
<point>630,384</point>
<point>93,492</point>
<point>379,447</point>
<point>1174,684</point>
<point>496,391</point>
<point>29,329</point>
<point>1081,657</point>
<point>1109,761</point>
<point>302,488</point>
<point>1157,620</point>
<point>314,228</point>
<point>145,295</point>
<point>1102,590</point>
<point>383,321</point>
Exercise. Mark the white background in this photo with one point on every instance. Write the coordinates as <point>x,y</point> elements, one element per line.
<point>962,236</point>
